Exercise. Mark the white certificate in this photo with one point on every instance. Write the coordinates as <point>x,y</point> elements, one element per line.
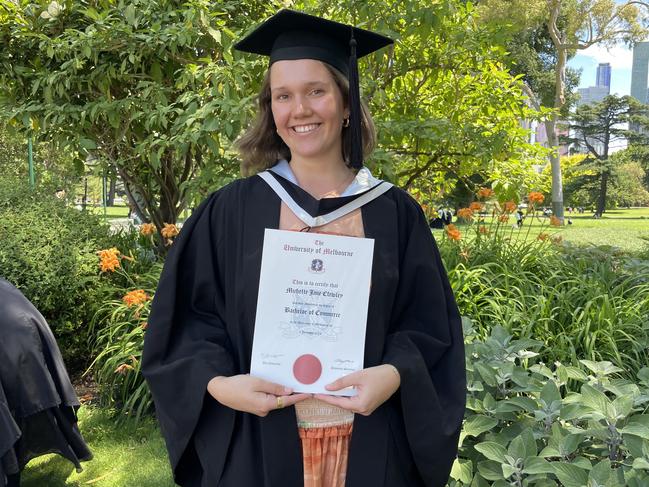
<point>312,309</point>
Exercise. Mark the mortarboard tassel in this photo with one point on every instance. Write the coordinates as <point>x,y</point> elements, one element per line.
<point>356,152</point>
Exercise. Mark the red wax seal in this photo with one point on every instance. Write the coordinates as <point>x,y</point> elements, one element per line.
<point>307,369</point>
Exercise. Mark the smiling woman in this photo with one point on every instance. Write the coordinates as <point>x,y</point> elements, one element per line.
<point>226,427</point>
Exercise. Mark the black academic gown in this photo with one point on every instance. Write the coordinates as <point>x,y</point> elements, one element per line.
<point>37,402</point>
<point>201,326</point>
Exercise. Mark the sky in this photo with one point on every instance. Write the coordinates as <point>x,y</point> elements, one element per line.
<point>620,58</point>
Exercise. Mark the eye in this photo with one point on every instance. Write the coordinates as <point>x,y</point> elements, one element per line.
<point>281,97</point>
<point>317,91</point>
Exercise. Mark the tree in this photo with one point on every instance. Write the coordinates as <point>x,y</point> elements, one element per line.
<point>154,91</point>
<point>447,109</point>
<point>597,127</point>
<point>148,88</point>
<point>573,25</point>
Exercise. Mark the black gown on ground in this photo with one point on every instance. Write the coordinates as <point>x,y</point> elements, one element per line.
<point>37,402</point>
<point>202,322</point>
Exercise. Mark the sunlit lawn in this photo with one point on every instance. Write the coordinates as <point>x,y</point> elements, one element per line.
<point>619,228</point>
<point>124,456</point>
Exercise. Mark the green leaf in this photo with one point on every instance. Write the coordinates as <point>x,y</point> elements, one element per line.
<point>525,403</point>
<point>487,373</point>
<point>550,392</point>
<point>129,13</point>
<point>641,463</point>
<point>490,470</point>
<point>462,470</point>
<point>637,429</point>
<point>536,465</point>
<point>87,144</point>
<point>595,399</point>
<point>216,35</point>
<point>622,406</point>
<point>492,450</point>
<point>516,448</point>
<point>508,470</point>
<point>570,475</point>
<point>601,368</point>
<point>478,424</point>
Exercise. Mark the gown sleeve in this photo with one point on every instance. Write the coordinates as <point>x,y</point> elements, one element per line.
<point>186,343</point>
<point>425,344</point>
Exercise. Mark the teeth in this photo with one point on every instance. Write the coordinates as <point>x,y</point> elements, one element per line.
<point>301,129</point>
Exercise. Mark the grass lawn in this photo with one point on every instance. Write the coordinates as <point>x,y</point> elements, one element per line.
<point>124,456</point>
<point>111,211</point>
<point>619,228</point>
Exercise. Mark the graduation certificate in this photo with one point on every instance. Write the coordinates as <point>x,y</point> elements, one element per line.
<point>312,309</point>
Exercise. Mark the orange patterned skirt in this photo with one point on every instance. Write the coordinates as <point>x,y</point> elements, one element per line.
<point>325,452</point>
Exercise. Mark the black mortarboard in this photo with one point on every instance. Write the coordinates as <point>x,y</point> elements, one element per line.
<point>290,35</point>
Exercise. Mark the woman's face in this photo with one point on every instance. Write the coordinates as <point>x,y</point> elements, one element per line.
<point>308,108</point>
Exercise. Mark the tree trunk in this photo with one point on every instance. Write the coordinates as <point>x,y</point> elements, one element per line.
<point>555,164</point>
<point>110,197</point>
<point>603,187</point>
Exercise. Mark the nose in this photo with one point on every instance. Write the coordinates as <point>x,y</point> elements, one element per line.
<point>302,107</point>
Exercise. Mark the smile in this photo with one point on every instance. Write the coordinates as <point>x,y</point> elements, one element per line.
<point>303,129</point>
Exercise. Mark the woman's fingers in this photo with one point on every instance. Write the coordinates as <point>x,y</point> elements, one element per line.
<point>349,380</point>
<point>340,401</point>
<point>262,385</point>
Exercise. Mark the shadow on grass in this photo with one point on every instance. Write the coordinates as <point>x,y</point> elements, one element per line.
<point>128,455</point>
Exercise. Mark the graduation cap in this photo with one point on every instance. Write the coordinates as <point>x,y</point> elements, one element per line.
<point>290,35</point>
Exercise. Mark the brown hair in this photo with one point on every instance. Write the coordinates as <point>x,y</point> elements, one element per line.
<point>260,146</point>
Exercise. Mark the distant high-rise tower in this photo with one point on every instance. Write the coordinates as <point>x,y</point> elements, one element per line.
<point>604,76</point>
<point>640,71</point>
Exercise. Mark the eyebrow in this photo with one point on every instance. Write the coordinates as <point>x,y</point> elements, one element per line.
<point>308,84</point>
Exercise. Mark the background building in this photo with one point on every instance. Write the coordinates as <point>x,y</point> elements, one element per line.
<point>640,71</point>
<point>604,76</point>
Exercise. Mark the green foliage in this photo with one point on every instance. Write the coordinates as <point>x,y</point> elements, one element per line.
<point>150,88</point>
<point>154,90</point>
<point>117,329</point>
<point>49,252</point>
<point>51,167</point>
<point>580,303</point>
<point>530,424</point>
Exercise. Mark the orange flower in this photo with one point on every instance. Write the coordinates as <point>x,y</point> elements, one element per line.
<point>453,233</point>
<point>503,218</point>
<point>483,230</point>
<point>543,236</point>
<point>554,221</point>
<point>147,229</point>
<point>535,197</point>
<point>509,207</point>
<point>133,298</point>
<point>123,369</point>
<point>169,230</point>
<point>465,213</point>
<point>109,259</point>
<point>476,206</point>
<point>484,193</point>
<point>144,325</point>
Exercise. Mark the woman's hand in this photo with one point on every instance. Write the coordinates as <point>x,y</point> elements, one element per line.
<point>375,385</point>
<point>251,394</point>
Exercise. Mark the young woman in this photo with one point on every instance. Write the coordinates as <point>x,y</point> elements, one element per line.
<point>225,427</point>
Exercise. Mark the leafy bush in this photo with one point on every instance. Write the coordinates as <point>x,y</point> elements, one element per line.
<point>131,271</point>
<point>49,251</point>
<point>119,328</point>
<point>530,424</point>
<point>581,303</point>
